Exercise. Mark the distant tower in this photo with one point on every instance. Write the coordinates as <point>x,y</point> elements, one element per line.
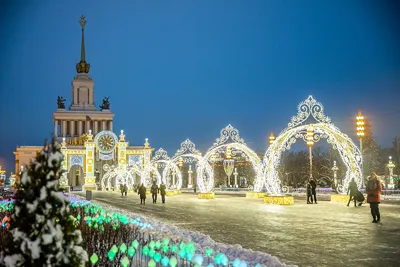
<point>82,85</point>
<point>82,115</point>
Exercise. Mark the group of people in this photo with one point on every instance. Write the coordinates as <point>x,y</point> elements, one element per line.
<point>373,190</point>
<point>154,190</point>
<point>311,192</point>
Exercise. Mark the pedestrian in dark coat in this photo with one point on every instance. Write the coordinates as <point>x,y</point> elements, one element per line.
<point>309,192</point>
<point>163,192</point>
<point>353,190</point>
<point>142,193</point>
<point>314,190</point>
<point>374,188</point>
<point>124,189</point>
<point>154,192</point>
<point>360,198</point>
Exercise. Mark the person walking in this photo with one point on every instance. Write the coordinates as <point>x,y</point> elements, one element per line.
<point>163,192</point>
<point>309,192</point>
<point>313,190</point>
<point>154,191</point>
<point>353,190</point>
<point>142,193</point>
<point>374,188</point>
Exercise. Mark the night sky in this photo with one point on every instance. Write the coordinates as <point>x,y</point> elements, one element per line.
<point>186,69</point>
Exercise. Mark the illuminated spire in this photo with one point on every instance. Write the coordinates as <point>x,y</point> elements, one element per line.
<point>82,66</point>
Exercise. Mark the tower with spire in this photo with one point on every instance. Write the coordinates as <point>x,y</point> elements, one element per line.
<point>82,114</point>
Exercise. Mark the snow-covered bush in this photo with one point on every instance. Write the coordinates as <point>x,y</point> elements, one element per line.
<point>42,234</point>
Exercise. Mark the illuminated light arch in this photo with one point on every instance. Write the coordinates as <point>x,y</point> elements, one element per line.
<point>189,154</point>
<point>323,128</point>
<point>115,176</point>
<point>160,160</point>
<point>229,137</point>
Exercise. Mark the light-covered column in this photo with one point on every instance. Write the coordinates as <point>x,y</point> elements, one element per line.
<point>110,126</point>
<point>90,178</point>
<point>80,128</point>
<point>122,145</point>
<point>96,127</point>
<point>64,181</point>
<point>72,128</point>
<point>103,126</point>
<point>56,128</point>
<point>64,128</point>
<point>190,172</point>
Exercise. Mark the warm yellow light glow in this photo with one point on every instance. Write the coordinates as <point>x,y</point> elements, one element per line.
<point>279,200</point>
<point>360,125</point>
<point>271,138</point>
<point>310,136</point>
<point>209,195</point>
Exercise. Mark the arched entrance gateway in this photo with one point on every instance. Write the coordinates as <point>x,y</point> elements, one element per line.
<point>322,127</point>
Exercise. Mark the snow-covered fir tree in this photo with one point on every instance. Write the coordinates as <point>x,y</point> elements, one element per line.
<point>42,234</point>
<point>370,151</point>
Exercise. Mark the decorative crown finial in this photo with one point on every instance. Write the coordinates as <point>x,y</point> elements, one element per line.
<point>82,66</point>
<point>82,21</point>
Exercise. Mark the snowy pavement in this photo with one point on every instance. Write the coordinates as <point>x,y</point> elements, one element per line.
<point>325,234</point>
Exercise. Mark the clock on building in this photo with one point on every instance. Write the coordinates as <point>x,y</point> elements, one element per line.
<point>106,141</point>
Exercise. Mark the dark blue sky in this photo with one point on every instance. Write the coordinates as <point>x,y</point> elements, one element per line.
<point>185,69</point>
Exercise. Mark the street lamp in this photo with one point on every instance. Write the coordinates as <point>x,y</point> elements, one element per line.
<point>310,143</point>
<point>360,134</point>
<point>271,138</point>
<point>391,166</point>
<point>229,163</point>
<point>180,163</point>
<point>2,175</point>
<point>335,170</point>
<point>190,185</point>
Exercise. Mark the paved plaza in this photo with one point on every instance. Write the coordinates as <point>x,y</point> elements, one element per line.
<point>325,234</point>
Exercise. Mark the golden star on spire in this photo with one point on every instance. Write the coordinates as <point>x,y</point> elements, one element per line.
<point>82,21</point>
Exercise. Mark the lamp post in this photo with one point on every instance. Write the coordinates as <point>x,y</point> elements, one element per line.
<point>335,170</point>
<point>271,138</point>
<point>310,143</point>
<point>229,163</point>
<point>180,163</point>
<point>2,175</point>
<point>391,166</point>
<point>235,173</point>
<point>173,178</point>
<point>360,134</point>
<point>190,184</point>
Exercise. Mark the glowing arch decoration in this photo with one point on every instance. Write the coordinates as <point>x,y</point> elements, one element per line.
<point>323,128</point>
<point>160,160</point>
<point>229,137</point>
<point>115,176</point>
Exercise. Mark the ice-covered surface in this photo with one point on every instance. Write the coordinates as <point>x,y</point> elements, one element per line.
<point>326,234</point>
<point>200,240</point>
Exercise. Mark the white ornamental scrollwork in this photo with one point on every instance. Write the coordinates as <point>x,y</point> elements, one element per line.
<point>187,147</point>
<point>75,160</point>
<point>161,154</point>
<point>229,133</point>
<point>307,108</point>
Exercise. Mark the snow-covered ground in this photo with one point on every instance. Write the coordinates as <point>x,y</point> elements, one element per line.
<point>326,234</point>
